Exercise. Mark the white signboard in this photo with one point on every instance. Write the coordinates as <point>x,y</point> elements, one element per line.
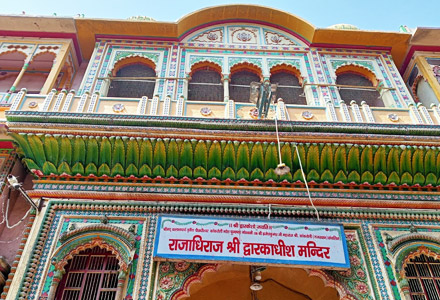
<point>251,241</point>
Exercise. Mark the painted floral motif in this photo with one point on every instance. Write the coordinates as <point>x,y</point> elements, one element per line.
<point>214,35</point>
<point>244,36</point>
<point>362,288</point>
<point>166,283</point>
<point>355,261</point>
<point>181,266</point>
<point>165,267</point>
<point>175,278</point>
<point>355,279</point>
<point>273,38</point>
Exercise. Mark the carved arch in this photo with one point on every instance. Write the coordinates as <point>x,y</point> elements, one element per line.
<point>414,87</point>
<point>288,68</point>
<point>246,66</point>
<point>196,277</point>
<point>132,60</point>
<point>359,70</point>
<point>13,51</point>
<point>329,281</point>
<point>111,238</point>
<point>42,53</point>
<point>205,64</point>
<point>413,250</point>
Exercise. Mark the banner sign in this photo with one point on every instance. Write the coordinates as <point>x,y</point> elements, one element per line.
<point>251,241</point>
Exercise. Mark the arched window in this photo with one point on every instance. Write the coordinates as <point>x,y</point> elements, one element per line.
<point>36,74</point>
<point>423,92</point>
<point>289,87</point>
<point>358,83</point>
<point>423,276</point>
<point>239,88</point>
<point>126,85</point>
<point>10,66</point>
<point>91,274</point>
<point>206,84</point>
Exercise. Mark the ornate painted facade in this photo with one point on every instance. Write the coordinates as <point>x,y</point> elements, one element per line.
<point>358,126</point>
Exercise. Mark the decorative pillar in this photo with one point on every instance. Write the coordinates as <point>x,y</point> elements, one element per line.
<point>404,287</point>
<point>414,113</point>
<point>356,112</point>
<point>424,112</point>
<point>344,111</point>
<point>121,282</point>
<point>17,80</point>
<point>226,79</point>
<point>58,64</point>
<point>186,81</point>
<point>330,111</point>
<point>367,112</point>
<point>436,111</point>
<point>58,275</point>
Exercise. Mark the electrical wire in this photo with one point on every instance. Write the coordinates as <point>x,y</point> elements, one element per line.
<point>300,163</point>
<point>278,137</point>
<point>305,181</point>
<point>5,216</point>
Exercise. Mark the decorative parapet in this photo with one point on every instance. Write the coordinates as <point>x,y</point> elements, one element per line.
<point>154,105</point>
<point>68,101</point>
<point>414,113</point>
<point>424,112</point>
<point>93,102</point>
<point>18,99</point>
<point>142,106</point>
<point>180,104</point>
<point>330,111</point>
<point>367,112</point>
<point>48,100</point>
<point>230,109</point>
<point>344,111</point>
<point>356,112</point>
<point>436,110</point>
<point>82,102</point>
<point>166,106</point>
<point>281,110</point>
<point>59,100</point>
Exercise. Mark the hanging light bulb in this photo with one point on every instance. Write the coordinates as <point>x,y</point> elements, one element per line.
<point>282,169</point>
<point>256,286</point>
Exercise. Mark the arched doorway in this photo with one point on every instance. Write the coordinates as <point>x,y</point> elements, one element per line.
<point>234,281</point>
<point>91,274</point>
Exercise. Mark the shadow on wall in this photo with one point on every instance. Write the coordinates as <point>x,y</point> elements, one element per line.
<point>10,238</point>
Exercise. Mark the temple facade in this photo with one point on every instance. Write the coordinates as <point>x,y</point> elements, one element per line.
<point>238,153</point>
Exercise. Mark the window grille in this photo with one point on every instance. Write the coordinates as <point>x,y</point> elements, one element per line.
<point>125,84</point>
<point>358,88</point>
<point>90,275</point>
<point>423,275</point>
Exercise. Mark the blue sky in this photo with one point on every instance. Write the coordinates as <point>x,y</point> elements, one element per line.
<point>384,15</point>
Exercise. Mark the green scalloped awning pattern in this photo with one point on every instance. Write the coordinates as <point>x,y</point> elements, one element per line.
<point>114,156</point>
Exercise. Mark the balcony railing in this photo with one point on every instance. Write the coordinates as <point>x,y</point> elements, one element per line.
<point>355,111</point>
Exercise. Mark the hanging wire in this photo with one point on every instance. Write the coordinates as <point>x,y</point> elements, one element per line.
<point>282,165</point>
<point>5,216</point>
<point>305,181</point>
<point>278,137</point>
